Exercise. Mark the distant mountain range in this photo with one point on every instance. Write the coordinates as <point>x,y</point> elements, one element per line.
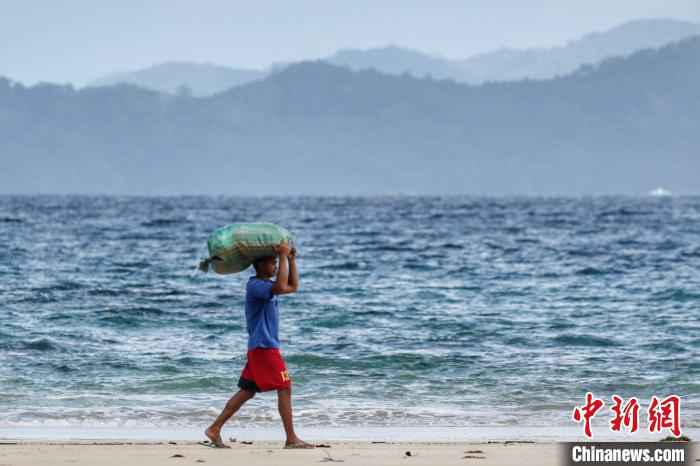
<point>500,65</point>
<point>198,79</point>
<point>514,64</point>
<point>626,125</point>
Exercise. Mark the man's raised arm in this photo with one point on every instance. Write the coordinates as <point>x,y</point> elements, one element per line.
<point>281,285</point>
<point>293,271</point>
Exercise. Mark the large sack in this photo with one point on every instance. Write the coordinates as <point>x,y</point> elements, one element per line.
<point>234,247</point>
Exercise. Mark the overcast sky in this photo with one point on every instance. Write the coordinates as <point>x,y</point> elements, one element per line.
<point>79,40</point>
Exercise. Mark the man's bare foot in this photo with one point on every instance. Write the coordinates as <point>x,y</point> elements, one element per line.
<point>215,436</point>
<point>297,443</point>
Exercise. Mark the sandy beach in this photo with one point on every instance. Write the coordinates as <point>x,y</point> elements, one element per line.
<point>91,453</point>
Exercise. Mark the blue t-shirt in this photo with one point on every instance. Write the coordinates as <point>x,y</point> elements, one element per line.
<point>261,314</point>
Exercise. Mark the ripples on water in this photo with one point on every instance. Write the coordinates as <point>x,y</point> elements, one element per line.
<point>411,310</point>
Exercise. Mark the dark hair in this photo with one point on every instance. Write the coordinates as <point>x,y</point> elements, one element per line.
<point>257,261</point>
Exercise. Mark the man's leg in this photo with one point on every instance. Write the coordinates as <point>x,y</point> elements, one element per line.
<point>284,403</point>
<point>233,405</point>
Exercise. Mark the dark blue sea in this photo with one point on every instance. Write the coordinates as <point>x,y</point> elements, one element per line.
<point>412,312</point>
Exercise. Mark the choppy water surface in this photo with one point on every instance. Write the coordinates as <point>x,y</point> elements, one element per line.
<point>412,311</point>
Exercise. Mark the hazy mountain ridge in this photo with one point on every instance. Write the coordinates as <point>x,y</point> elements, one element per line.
<point>542,63</point>
<point>626,125</point>
<point>199,79</point>
<point>397,60</point>
<point>499,65</point>
<point>509,64</point>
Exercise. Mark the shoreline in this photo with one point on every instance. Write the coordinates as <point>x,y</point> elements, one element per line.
<point>451,434</point>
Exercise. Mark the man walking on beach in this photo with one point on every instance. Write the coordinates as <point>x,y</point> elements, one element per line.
<point>265,369</point>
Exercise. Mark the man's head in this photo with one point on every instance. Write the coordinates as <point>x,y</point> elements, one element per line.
<point>266,266</point>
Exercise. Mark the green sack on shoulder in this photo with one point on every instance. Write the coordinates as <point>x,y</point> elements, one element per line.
<point>233,248</point>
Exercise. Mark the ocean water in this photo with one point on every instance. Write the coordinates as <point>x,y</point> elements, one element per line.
<point>413,312</point>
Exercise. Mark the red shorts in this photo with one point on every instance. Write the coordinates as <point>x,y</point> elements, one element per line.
<point>264,371</point>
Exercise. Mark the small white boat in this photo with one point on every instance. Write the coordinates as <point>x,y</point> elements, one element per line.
<point>659,192</point>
